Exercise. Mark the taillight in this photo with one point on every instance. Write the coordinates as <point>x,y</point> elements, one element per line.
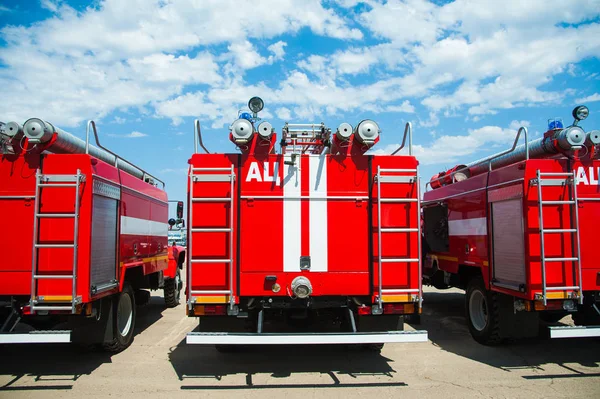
<point>210,310</point>
<point>364,310</point>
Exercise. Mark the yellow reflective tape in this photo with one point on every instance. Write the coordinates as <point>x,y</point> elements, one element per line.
<point>398,298</point>
<point>449,258</point>
<point>558,295</point>
<point>211,299</point>
<point>54,298</point>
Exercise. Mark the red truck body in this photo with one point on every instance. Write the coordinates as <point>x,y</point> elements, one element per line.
<point>523,235</point>
<point>82,232</point>
<point>296,235</point>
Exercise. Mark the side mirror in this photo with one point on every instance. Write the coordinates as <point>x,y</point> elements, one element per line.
<point>179,209</point>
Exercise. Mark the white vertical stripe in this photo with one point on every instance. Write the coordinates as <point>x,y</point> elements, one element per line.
<point>318,213</point>
<point>292,222</point>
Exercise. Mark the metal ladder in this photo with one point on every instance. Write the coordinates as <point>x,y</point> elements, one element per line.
<point>383,178</point>
<point>559,179</point>
<point>212,177</point>
<point>47,182</point>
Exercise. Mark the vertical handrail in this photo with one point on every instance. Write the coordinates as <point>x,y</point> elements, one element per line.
<point>542,255</point>
<point>379,267</point>
<point>34,246</point>
<point>190,282</point>
<point>231,195</point>
<point>198,137</point>
<point>419,255</point>
<point>407,131</point>
<point>75,242</point>
<point>576,205</point>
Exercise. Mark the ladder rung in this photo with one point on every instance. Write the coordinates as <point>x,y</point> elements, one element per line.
<point>391,260</point>
<point>397,179</point>
<point>211,292</point>
<point>212,178</point>
<point>566,174</point>
<point>225,199</point>
<point>53,276</point>
<point>400,290</point>
<point>223,169</point>
<point>57,185</point>
<point>556,202</point>
<point>55,215</point>
<point>575,287</point>
<point>51,308</point>
<point>210,260</point>
<point>545,231</point>
<point>398,170</point>
<point>561,259</point>
<point>55,245</point>
<point>399,230</point>
<point>211,230</point>
<point>398,199</point>
<point>60,178</point>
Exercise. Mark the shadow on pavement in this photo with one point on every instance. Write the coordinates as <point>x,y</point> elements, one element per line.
<point>280,361</point>
<point>58,366</point>
<point>444,319</point>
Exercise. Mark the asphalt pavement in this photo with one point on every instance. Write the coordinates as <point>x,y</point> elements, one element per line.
<point>450,365</point>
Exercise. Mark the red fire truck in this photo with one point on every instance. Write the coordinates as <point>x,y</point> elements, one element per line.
<point>516,230</point>
<point>318,231</point>
<point>84,234</point>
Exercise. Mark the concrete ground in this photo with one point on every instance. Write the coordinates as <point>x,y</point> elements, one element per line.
<point>450,365</point>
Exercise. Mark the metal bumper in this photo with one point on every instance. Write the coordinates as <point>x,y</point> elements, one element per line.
<point>37,337</point>
<point>223,338</point>
<point>574,331</point>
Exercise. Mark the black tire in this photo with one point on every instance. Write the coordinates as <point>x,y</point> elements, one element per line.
<point>172,290</point>
<point>483,313</point>
<point>124,311</point>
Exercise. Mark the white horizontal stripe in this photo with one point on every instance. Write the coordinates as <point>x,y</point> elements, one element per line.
<point>142,227</point>
<point>468,227</point>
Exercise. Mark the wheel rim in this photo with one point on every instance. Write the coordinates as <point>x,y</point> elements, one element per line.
<point>478,310</point>
<point>124,315</point>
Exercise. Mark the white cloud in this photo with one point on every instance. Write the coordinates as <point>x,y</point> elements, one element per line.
<point>168,68</point>
<point>132,135</point>
<point>283,113</point>
<point>278,50</point>
<point>245,55</point>
<point>406,106</point>
<point>129,54</point>
<point>588,99</point>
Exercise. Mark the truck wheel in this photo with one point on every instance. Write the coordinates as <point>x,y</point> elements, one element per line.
<point>123,321</point>
<point>173,290</point>
<point>483,313</point>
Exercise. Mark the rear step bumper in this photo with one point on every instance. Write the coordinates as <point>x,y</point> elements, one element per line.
<point>574,331</point>
<point>37,337</point>
<point>223,338</point>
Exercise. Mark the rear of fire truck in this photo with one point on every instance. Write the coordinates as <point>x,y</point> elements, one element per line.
<point>84,237</point>
<point>317,243</point>
<point>517,231</point>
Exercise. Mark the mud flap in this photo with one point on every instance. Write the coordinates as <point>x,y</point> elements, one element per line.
<point>90,331</point>
<point>519,324</point>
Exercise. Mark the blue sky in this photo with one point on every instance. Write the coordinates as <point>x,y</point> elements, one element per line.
<point>467,74</point>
